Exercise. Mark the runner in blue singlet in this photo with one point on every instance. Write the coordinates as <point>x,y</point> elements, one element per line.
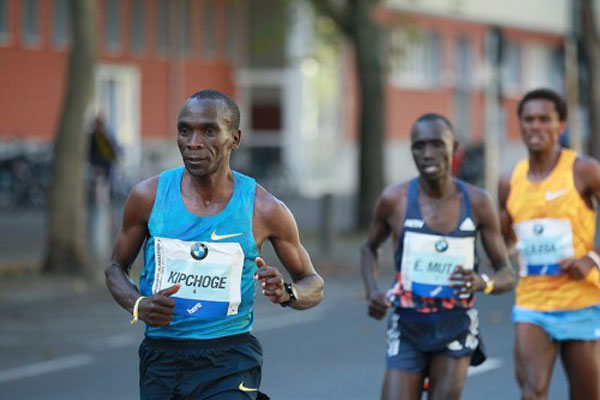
<point>434,221</point>
<point>202,227</point>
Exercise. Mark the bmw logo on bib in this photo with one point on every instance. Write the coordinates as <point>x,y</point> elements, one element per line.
<point>441,245</point>
<point>538,229</point>
<point>199,251</point>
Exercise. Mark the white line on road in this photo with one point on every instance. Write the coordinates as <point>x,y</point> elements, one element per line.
<point>115,342</point>
<point>45,367</point>
<point>265,323</point>
<point>488,365</point>
<point>283,319</point>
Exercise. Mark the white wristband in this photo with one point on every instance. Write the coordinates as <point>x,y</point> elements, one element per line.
<point>595,258</point>
<point>136,307</point>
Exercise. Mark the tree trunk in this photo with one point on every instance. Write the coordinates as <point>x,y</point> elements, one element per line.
<point>591,44</point>
<point>66,240</point>
<point>368,45</point>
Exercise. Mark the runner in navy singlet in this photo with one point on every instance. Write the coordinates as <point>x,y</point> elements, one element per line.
<point>434,221</point>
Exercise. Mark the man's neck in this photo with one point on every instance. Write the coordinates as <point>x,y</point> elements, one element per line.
<point>541,164</point>
<point>211,187</point>
<point>437,188</point>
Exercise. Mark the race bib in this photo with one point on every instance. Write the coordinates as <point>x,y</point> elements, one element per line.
<point>542,243</point>
<point>428,260</point>
<point>210,275</point>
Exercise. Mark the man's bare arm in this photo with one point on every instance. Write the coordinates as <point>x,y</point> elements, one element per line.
<point>493,243</point>
<point>586,174</point>
<point>379,231</point>
<point>130,239</point>
<point>158,309</point>
<point>276,223</point>
<point>505,219</point>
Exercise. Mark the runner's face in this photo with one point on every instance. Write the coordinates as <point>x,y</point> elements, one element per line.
<point>204,136</point>
<point>432,146</point>
<point>540,125</point>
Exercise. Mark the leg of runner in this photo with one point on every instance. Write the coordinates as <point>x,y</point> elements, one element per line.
<point>401,385</point>
<point>581,359</point>
<point>535,354</point>
<point>447,377</point>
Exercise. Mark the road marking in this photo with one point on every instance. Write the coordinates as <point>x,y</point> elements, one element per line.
<point>45,367</point>
<point>489,365</point>
<point>115,342</point>
<point>265,323</point>
<point>281,321</point>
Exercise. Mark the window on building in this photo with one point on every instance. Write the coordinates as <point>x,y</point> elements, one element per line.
<point>186,43</point>
<point>162,26</point>
<point>4,21</point>
<point>208,28</point>
<point>60,23</point>
<point>30,22</point>
<point>557,70</point>
<point>416,59</point>
<point>231,28</point>
<point>539,66</point>
<point>112,25</point>
<point>137,26</point>
<point>463,72</point>
<point>511,67</point>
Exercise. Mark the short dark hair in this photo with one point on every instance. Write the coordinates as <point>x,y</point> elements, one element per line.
<point>545,94</point>
<point>211,94</point>
<point>433,117</point>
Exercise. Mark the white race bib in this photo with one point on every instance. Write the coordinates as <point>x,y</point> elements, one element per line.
<point>428,260</point>
<point>210,275</point>
<point>542,243</point>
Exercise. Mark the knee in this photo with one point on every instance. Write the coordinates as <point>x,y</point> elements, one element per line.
<point>534,392</point>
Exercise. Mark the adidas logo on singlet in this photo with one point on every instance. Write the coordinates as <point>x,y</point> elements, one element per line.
<point>414,223</point>
<point>467,225</point>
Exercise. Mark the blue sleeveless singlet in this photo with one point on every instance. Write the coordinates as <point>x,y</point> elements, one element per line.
<point>212,257</point>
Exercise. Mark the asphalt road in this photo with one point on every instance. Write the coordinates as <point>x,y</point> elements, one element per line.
<point>68,341</point>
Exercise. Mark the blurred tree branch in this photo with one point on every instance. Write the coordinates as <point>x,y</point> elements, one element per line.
<point>66,239</point>
<point>355,19</point>
<point>591,44</point>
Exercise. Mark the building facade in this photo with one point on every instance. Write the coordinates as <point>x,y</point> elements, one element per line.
<point>297,91</point>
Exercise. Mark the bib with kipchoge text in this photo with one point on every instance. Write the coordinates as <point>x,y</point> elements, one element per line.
<point>209,273</point>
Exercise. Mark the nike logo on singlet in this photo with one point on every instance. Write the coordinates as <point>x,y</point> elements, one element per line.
<point>214,236</point>
<point>554,195</point>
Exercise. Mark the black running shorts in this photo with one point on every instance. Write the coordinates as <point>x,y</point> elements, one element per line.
<point>216,369</point>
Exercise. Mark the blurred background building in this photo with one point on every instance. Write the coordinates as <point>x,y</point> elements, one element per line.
<point>293,78</point>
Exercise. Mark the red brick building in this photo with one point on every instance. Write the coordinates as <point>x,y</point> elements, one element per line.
<point>299,111</point>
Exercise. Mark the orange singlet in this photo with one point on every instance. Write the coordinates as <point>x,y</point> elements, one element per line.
<point>551,222</point>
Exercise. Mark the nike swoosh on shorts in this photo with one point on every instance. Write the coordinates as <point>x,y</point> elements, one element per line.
<point>246,389</point>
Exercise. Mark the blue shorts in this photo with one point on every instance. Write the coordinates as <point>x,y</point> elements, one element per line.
<point>414,340</point>
<point>219,369</point>
<point>582,324</point>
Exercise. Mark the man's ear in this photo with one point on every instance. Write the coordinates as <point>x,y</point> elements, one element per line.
<point>237,138</point>
<point>455,146</point>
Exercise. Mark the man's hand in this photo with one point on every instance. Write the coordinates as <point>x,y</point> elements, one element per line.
<point>271,282</point>
<point>378,305</point>
<point>158,309</point>
<point>466,281</point>
<point>577,268</point>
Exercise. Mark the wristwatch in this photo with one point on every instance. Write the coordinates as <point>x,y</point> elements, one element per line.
<point>489,284</point>
<point>291,291</point>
